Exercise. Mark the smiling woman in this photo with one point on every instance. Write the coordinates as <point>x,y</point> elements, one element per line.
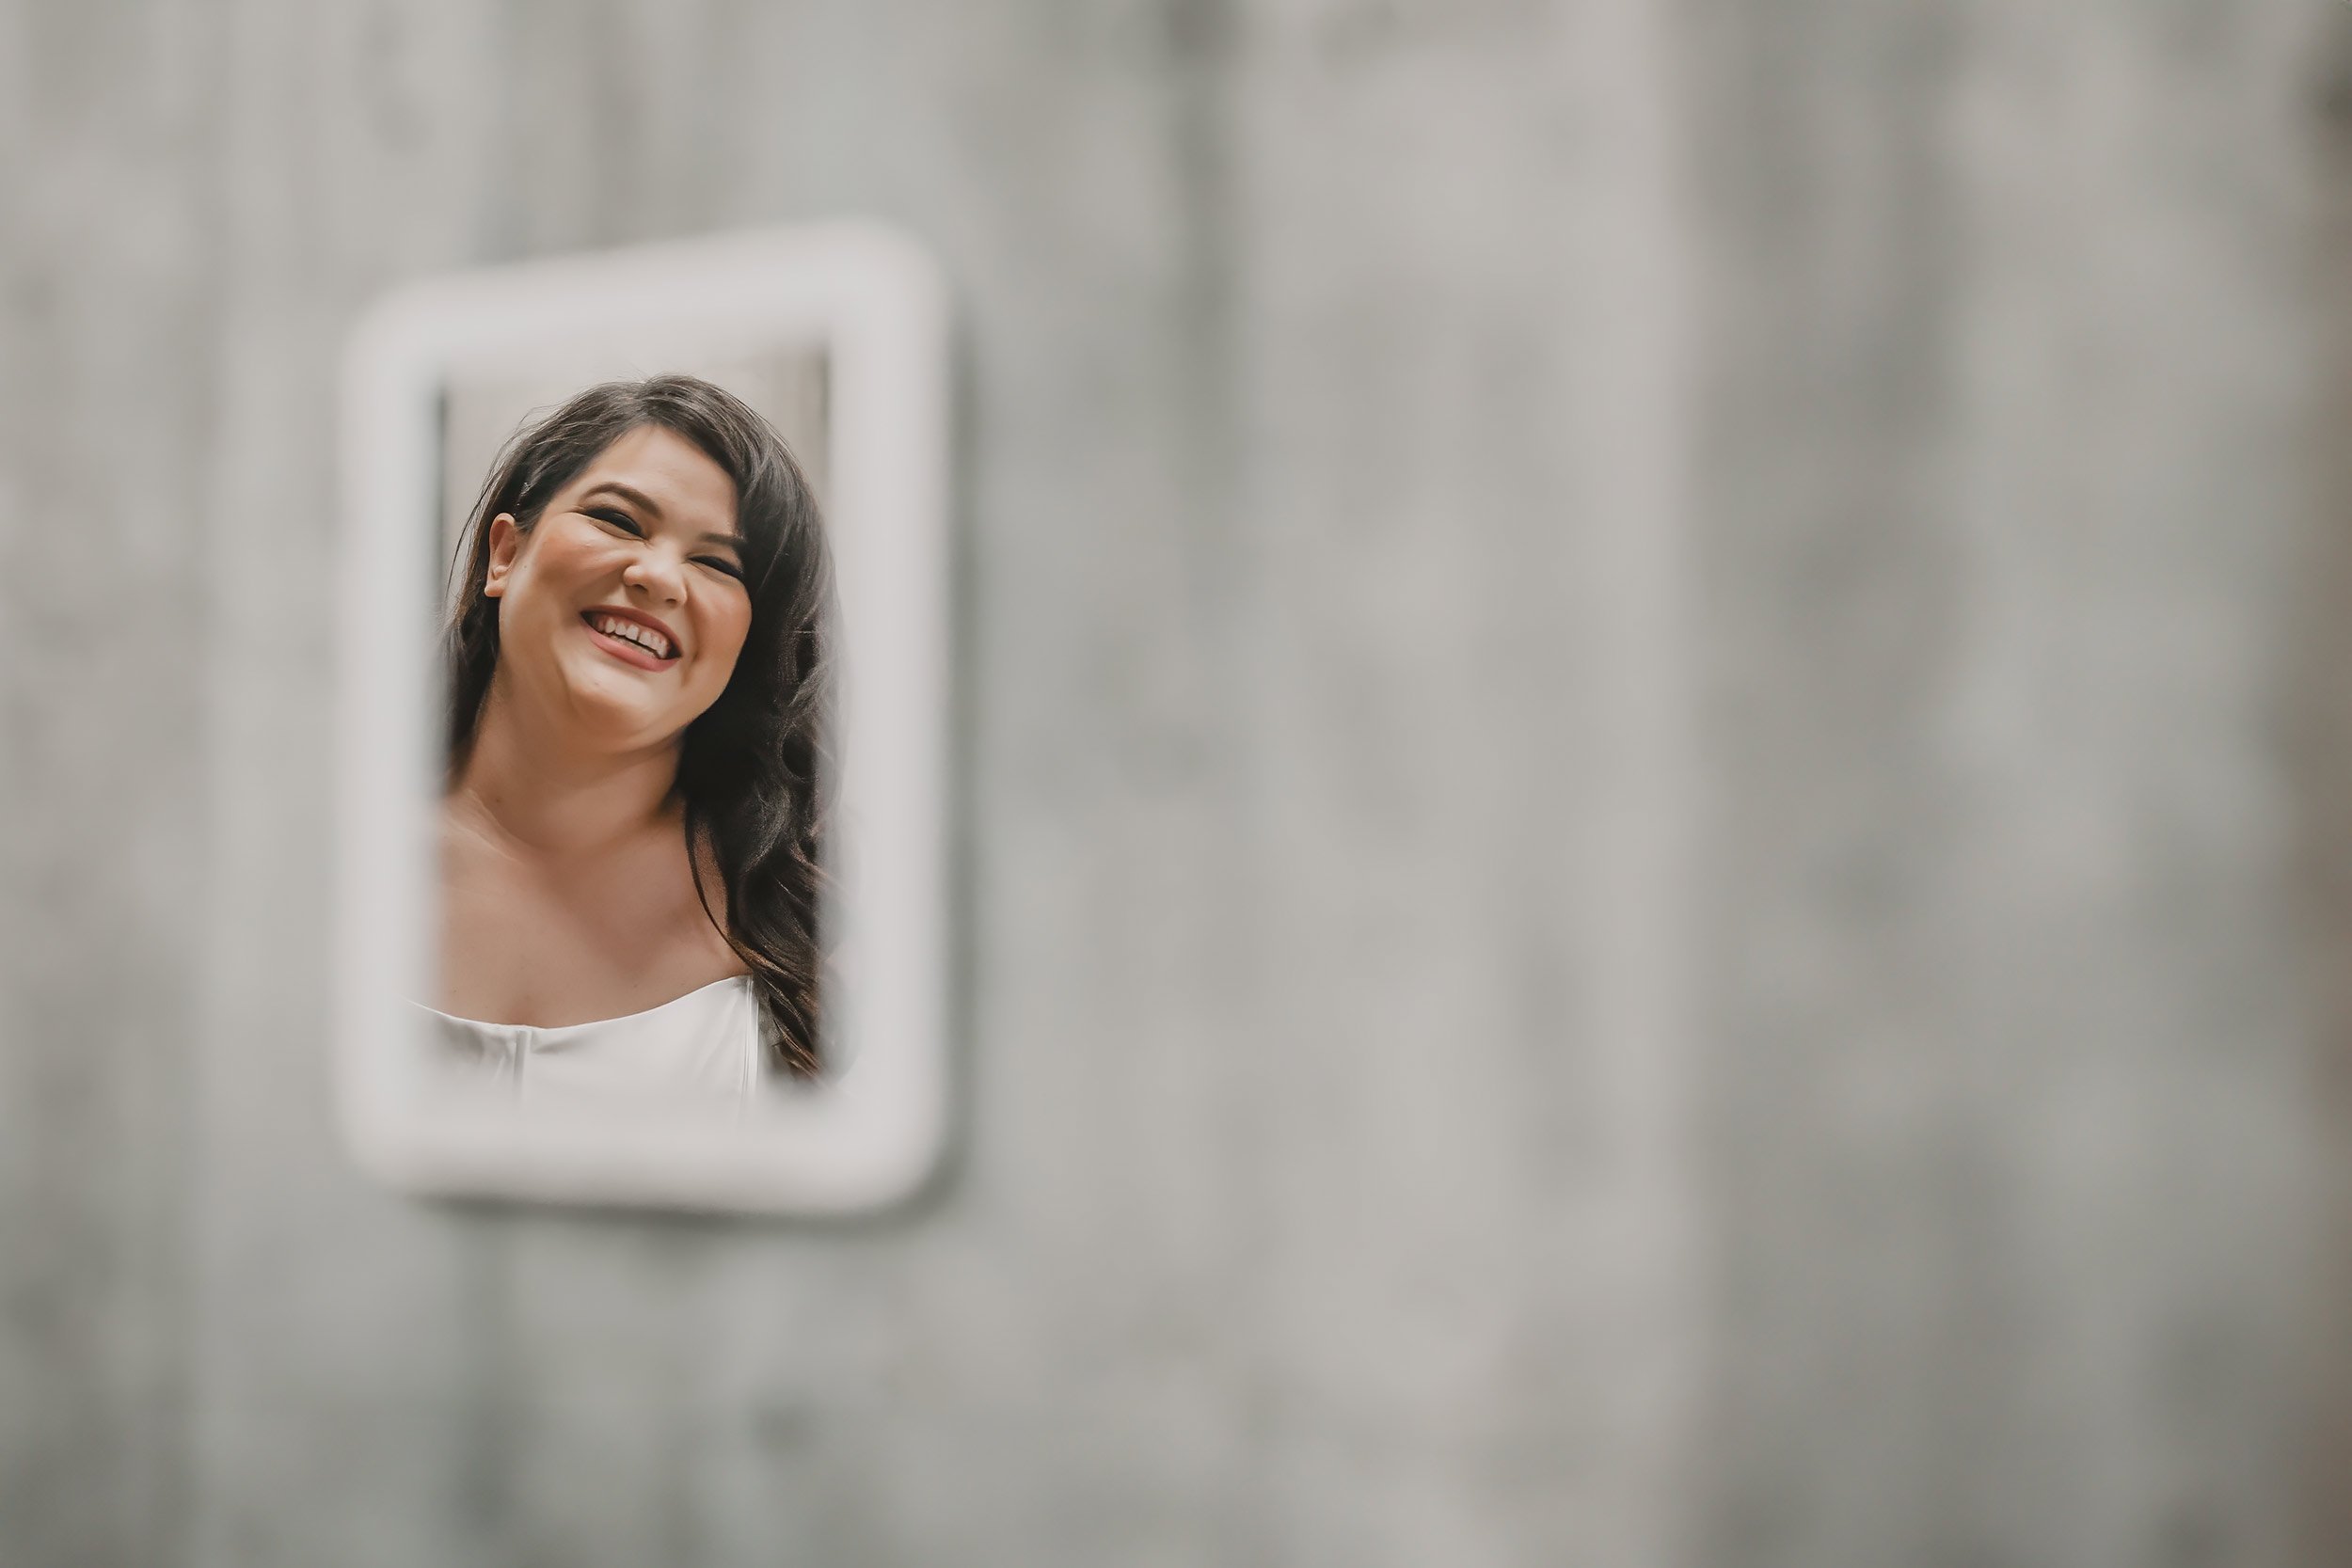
<point>635,808</point>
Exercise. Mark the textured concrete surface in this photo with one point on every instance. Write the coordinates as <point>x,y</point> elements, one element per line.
<point>1632,895</point>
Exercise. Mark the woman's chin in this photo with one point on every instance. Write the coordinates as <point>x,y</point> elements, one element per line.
<point>613,710</point>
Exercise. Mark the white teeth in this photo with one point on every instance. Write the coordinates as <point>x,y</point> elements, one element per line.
<point>629,631</point>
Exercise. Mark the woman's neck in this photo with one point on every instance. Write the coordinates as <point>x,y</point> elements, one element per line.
<point>547,793</point>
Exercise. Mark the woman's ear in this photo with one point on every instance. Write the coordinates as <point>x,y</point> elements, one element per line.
<point>505,539</point>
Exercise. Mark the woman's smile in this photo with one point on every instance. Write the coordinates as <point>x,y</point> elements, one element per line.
<point>632,638</point>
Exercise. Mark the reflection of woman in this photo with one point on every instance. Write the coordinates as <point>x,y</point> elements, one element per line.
<point>636,797</point>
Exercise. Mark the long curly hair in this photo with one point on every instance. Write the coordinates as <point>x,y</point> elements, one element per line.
<point>754,769</point>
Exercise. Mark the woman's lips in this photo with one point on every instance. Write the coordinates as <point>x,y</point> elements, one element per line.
<point>620,648</point>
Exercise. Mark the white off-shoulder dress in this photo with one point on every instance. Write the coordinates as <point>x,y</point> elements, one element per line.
<point>709,1042</point>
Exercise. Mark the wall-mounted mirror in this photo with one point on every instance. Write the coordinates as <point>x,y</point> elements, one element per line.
<point>645,725</point>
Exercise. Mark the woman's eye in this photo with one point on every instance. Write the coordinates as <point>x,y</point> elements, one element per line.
<point>719,563</point>
<point>620,520</point>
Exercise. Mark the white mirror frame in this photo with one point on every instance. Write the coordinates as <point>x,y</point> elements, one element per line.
<point>875,304</point>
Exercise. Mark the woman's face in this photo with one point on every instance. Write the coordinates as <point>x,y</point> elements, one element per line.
<point>621,610</point>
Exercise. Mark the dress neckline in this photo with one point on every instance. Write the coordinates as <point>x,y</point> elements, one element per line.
<point>592,1023</point>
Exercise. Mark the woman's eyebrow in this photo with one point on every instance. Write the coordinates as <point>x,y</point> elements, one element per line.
<point>627,493</point>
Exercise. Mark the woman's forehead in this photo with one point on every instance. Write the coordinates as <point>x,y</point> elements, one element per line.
<point>659,470</point>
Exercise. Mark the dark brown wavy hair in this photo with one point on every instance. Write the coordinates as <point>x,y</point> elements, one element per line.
<point>754,771</point>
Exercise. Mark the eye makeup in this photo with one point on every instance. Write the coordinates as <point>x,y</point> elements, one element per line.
<point>622,520</point>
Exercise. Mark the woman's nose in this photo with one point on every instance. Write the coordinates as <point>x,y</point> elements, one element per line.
<point>658,575</point>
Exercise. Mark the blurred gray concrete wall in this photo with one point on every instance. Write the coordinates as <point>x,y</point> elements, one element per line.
<point>1632,895</point>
